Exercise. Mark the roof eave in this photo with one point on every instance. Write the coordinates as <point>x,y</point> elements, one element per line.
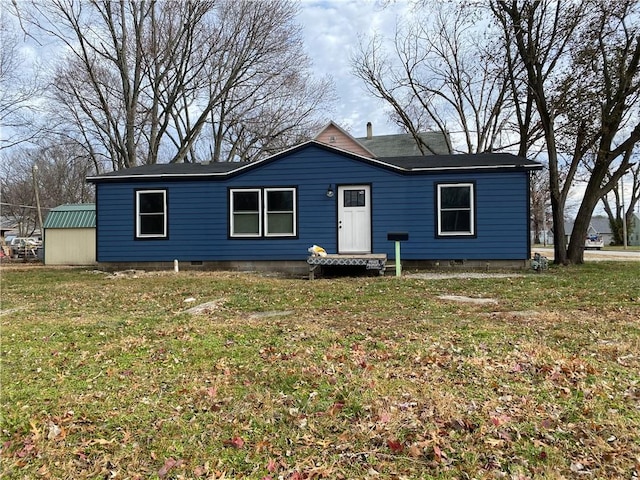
<point>99,178</point>
<point>478,167</point>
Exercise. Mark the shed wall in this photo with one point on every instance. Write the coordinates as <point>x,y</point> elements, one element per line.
<point>70,246</point>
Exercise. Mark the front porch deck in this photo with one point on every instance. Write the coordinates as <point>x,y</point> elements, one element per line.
<point>371,261</point>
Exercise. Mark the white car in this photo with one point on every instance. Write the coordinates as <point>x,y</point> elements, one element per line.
<point>593,242</point>
<point>23,246</point>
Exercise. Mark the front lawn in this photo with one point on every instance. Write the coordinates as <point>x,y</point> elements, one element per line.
<point>108,376</point>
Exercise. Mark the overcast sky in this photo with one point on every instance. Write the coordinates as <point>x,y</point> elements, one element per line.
<point>331,31</point>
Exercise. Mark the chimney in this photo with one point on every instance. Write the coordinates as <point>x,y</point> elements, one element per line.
<point>369,131</point>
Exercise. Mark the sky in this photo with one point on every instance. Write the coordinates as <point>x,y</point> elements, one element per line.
<point>331,30</point>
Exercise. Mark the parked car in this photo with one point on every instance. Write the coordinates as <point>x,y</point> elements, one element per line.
<point>23,246</point>
<point>594,242</point>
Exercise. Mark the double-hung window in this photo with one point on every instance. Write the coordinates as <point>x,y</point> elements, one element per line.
<point>279,211</point>
<point>151,214</point>
<point>263,212</point>
<point>246,206</point>
<point>456,209</point>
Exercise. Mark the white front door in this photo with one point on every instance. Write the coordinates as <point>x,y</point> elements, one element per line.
<point>354,219</point>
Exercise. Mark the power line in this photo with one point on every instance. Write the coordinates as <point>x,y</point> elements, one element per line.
<point>22,206</point>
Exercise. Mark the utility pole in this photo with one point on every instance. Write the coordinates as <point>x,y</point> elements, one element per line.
<point>35,187</point>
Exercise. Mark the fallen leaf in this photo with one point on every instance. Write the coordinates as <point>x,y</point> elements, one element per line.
<point>394,445</point>
<point>168,465</point>
<point>335,408</point>
<point>384,417</point>
<point>500,420</point>
<point>236,442</point>
<point>438,454</point>
<point>415,451</point>
<point>54,431</point>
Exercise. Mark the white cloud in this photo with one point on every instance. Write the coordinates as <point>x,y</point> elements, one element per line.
<point>331,30</point>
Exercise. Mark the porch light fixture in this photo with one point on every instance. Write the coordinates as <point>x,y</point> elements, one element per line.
<point>330,191</point>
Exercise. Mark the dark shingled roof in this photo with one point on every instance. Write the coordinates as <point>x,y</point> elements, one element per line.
<point>409,164</point>
<point>460,161</point>
<point>177,169</point>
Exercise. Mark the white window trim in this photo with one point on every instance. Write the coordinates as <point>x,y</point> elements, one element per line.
<point>293,212</point>
<point>472,215</point>
<point>139,234</point>
<point>232,213</point>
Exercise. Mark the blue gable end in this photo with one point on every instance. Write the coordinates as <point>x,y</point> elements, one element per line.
<point>198,211</point>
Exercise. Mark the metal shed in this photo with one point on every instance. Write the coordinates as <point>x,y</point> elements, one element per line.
<point>70,235</point>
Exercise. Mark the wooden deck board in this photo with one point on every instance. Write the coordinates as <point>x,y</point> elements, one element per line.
<point>372,261</point>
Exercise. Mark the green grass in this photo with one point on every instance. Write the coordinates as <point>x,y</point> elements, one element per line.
<point>107,377</point>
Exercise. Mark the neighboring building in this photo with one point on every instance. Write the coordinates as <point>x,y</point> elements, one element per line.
<point>396,145</point>
<point>70,235</point>
<point>462,209</point>
<point>336,137</point>
<point>404,145</point>
<point>601,226</point>
<point>7,226</point>
<point>598,226</point>
<point>634,230</point>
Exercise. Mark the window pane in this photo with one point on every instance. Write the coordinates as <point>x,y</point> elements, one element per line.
<point>152,224</point>
<point>280,201</point>
<point>456,221</point>
<point>151,202</point>
<point>280,223</point>
<point>354,198</point>
<point>455,197</point>
<point>244,223</point>
<point>245,201</point>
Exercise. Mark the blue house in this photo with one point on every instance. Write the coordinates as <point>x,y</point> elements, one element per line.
<point>456,209</point>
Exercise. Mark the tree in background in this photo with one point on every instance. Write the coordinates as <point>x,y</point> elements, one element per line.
<point>615,207</point>
<point>17,91</point>
<point>539,194</point>
<point>173,81</point>
<point>559,77</point>
<point>444,74</point>
<point>581,62</point>
<point>59,177</point>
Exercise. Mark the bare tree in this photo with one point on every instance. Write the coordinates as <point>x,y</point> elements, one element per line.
<point>540,219</point>
<point>444,74</point>
<point>59,176</point>
<point>581,63</point>
<point>615,206</point>
<point>18,90</point>
<point>275,104</point>
<point>142,79</point>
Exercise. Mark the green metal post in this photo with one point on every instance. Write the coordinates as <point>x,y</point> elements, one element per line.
<point>398,265</point>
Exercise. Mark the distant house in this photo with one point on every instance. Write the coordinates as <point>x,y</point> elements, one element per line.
<point>7,225</point>
<point>600,225</point>
<point>70,235</point>
<point>634,230</point>
<point>396,145</point>
<point>463,209</point>
<point>335,136</point>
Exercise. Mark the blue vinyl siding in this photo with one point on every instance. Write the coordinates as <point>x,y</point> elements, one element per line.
<point>198,213</point>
